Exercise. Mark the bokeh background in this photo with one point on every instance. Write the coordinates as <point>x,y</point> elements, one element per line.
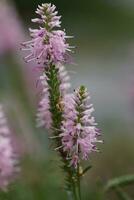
<point>104,62</point>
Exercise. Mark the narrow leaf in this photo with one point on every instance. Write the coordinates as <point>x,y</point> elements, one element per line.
<point>120,181</point>
<point>86,169</point>
<point>121,194</point>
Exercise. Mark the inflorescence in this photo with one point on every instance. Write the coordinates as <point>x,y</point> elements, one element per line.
<point>77,128</point>
<point>79,132</point>
<point>47,45</point>
<point>9,164</point>
<point>67,115</point>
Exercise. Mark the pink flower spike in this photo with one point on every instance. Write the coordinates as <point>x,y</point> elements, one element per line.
<point>47,45</point>
<point>79,132</point>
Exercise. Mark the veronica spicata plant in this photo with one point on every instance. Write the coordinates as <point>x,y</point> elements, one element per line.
<point>68,117</point>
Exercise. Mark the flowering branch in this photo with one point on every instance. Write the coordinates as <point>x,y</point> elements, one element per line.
<point>66,116</point>
<point>55,83</point>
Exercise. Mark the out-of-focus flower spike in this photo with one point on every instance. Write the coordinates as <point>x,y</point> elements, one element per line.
<point>44,115</point>
<point>8,158</point>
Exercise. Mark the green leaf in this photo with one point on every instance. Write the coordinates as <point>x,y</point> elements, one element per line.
<point>120,181</point>
<point>121,194</point>
<point>86,169</point>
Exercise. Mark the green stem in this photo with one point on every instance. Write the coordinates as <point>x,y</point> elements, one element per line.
<point>70,195</point>
<point>79,188</point>
<point>75,192</point>
<point>79,183</point>
<point>55,96</point>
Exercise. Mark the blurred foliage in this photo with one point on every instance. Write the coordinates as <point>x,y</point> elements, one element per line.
<point>117,185</point>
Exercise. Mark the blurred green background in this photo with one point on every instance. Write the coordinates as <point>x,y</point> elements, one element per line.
<point>104,61</point>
